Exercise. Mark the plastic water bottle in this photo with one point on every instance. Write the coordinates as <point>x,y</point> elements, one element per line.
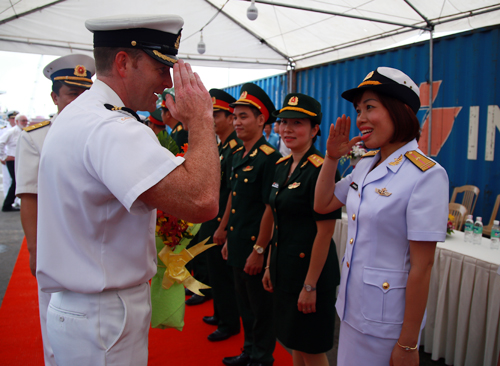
<point>478,231</point>
<point>469,229</point>
<point>495,235</point>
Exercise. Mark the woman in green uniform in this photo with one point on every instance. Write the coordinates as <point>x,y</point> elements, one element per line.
<point>303,269</point>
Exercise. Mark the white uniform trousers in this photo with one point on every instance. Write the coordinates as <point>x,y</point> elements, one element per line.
<point>43,304</point>
<point>7,180</point>
<point>109,328</point>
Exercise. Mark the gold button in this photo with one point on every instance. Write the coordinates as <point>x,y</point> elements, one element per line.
<point>219,219</point>
<point>275,210</point>
<point>236,175</point>
<point>276,244</point>
<point>233,210</point>
<point>347,264</point>
<point>302,255</point>
<point>133,43</point>
<point>276,193</point>
<point>354,216</point>
<point>276,227</point>
<point>253,238</point>
<point>385,285</point>
<point>245,180</point>
<point>234,193</point>
<point>231,228</point>
<point>359,194</point>
<point>351,241</point>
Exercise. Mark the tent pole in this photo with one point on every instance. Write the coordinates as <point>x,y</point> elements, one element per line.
<point>431,47</point>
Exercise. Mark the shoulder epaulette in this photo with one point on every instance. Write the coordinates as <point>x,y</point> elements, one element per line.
<point>370,154</point>
<point>179,128</point>
<point>233,143</point>
<point>316,160</point>
<point>36,126</point>
<point>238,149</point>
<point>124,109</point>
<point>267,149</point>
<point>421,161</point>
<point>284,158</point>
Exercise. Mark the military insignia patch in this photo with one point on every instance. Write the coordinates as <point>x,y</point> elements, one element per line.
<point>284,158</point>
<point>383,192</point>
<point>396,161</point>
<point>221,157</point>
<point>370,154</point>
<point>266,149</point>
<point>354,186</point>
<point>275,185</point>
<point>316,160</point>
<point>243,95</point>
<point>368,76</point>
<point>304,164</point>
<point>247,168</point>
<point>36,126</point>
<point>214,100</point>
<point>253,153</point>
<point>422,162</point>
<point>293,185</point>
<point>238,149</point>
<point>179,128</point>
<point>293,101</point>
<point>80,71</point>
<point>233,143</point>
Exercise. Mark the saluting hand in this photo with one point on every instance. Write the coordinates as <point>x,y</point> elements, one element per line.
<point>338,143</point>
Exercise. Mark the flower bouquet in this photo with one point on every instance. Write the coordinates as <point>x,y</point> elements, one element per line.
<point>357,151</point>
<point>450,225</point>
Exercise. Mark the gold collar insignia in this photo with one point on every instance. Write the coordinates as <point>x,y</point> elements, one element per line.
<point>383,192</point>
<point>293,185</point>
<point>397,160</point>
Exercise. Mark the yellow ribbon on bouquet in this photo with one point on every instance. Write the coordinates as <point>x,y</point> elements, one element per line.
<point>176,270</point>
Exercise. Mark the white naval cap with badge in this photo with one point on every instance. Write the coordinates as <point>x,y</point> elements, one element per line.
<point>72,70</point>
<point>389,81</point>
<point>157,35</point>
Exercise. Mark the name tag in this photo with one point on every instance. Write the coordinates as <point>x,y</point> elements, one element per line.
<point>276,185</point>
<point>354,186</point>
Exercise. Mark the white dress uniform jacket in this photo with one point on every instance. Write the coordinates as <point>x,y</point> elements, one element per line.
<point>93,232</point>
<point>387,207</point>
<point>8,142</point>
<point>28,151</point>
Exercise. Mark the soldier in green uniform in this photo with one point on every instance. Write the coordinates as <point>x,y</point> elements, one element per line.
<point>249,222</point>
<point>179,134</point>
<point>226,315</point>
<point>303,270</point>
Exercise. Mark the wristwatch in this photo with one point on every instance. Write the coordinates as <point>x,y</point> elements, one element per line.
<point>258,249</point>
<point>309,288</point>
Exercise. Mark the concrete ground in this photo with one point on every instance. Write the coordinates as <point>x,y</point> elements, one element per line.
<point>11,236</point>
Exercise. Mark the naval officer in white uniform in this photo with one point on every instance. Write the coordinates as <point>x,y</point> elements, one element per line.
<point>397,207</point>
<point>71,76</point>
<point>102,174</point>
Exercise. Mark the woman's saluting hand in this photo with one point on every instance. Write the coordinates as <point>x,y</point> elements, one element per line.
<point>338,143</point>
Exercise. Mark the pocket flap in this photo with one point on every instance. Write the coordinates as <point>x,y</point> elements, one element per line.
<point>385,279</point>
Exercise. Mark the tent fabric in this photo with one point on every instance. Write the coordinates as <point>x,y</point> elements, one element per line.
<point>305,33</point>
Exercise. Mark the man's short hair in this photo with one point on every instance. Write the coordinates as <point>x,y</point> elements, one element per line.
<point>105,56</point>
<point>56,86</point>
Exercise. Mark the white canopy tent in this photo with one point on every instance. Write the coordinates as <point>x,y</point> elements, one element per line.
<point>287,33</point>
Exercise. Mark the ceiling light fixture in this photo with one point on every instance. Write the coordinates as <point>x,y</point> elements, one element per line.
<point>252,11</point>
<point>201,45</point>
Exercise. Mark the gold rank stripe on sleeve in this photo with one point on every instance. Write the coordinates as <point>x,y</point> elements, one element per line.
<point>266,149</point>
<point>36,126</point>
<point>238,149</point>
<point>233,143</point>
<point>284,158</point>
<point>316,160</point>
<point>421,161</point>
<point>370,154</point>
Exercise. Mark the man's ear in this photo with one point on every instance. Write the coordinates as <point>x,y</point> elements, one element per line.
<point>261,120</point>
<point>122,63</point>
<point>54,97</point>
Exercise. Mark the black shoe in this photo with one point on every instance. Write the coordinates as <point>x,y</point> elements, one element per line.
<point>241,360</point>
<point>220,336</point>
<point>211,320</point>
<point>197,299</point>
<point>188,292</point>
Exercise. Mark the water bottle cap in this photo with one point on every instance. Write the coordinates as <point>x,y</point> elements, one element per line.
<point>495,222</point>
<point>469,217</point>
<point>479,218</point>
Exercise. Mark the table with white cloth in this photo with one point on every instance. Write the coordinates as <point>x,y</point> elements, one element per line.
<point>463,308</point>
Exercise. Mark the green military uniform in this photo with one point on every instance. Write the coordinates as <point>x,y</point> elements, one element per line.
<point>295,229</point>
<point>251,184</point>
<point>180,135</point>
<point>220,274</point>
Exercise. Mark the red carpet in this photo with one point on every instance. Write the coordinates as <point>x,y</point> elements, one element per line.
<point>21,340</point>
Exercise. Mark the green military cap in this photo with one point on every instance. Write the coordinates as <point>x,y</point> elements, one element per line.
<point>170,91</point>
<point>297,105</point>
<point>155,117</point>
<point>253,95</point>
<point>221,100</point>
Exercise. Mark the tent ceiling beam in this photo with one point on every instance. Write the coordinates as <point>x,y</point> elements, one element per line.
<point>429,24</point>
<point>339,14</point>
<point>469,14</point>
<point>259,38</point>
<point>29,11</point>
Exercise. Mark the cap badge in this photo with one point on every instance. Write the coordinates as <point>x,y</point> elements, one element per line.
<point>214,100</point>
<point>80,70</point>
<point>396,161</point>
<point>293,185</point>
<point>293,101</point>
<point>243,95</point>
<point>177,42</point>
<point>368,76</point>
<point>383,192</point>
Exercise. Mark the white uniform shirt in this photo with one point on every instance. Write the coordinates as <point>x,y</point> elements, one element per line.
<point>93,232</point>
<point>376,262</point>
<point>8,142</point>
<point>28,151</point>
